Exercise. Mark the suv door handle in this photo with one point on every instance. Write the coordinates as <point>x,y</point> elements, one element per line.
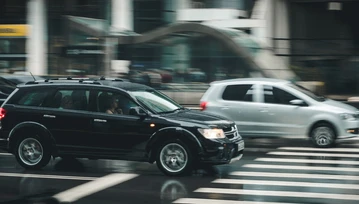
<point>100,120</point>
<point>49,116</point>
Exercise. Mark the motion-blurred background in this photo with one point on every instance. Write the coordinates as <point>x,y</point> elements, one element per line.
<point>180,46</point>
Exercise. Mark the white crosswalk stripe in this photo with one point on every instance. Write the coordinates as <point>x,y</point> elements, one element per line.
<point>295,175</point>
<point>311,154</point>
<point>286,183</point>
<point>280,193</point>
<point>308,161</point>
<point>288,175</point>
<point>351,150</point>
<point>306,168</point>
<point>216,201</point>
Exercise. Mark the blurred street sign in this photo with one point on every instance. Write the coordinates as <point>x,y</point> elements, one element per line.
<point>13,30</point>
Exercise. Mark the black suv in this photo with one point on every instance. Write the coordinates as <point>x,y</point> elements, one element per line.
<point>112,119</point>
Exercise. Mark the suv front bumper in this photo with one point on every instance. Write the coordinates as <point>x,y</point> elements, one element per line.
<point>223,153</point>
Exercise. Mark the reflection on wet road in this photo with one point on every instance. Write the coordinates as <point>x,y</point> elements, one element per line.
<point>271,171</point>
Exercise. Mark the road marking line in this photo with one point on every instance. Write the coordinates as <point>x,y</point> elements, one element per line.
<point>47,176</point>
<point>286,183</point>
<point>92,187</point>
<point>216,201</point>
<point>279,193</point>
<point>320,150</point>
<point>318,168</point>
<point>317,161</point>
<point>295,175</point>
<point>312,154</point>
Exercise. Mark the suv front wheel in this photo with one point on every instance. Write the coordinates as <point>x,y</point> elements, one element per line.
<point>174,158</point>
<point>31,152</point>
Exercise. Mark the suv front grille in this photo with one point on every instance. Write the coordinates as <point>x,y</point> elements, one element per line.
<point>231,132</point>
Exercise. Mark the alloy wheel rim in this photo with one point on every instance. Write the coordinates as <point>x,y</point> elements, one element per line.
<point>30,151</point>
<point>323,136</point>
<point>173,157</point>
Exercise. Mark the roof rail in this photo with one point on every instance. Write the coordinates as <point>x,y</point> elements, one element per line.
<point>31,82</point>
<point>80,80</point>
<point>93,82</point>
<point>111,79</point>
<point>67,78</point>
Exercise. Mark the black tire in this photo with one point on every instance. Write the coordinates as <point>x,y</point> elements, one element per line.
<point>323,135</point>
<point>37,145</point>
<point>183,153</point>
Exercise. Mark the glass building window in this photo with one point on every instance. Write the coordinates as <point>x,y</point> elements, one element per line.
<point>13,11</point>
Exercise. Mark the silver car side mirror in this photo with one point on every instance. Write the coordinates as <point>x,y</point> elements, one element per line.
<point>297,102</point>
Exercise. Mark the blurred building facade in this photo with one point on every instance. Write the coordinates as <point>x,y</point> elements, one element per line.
<point>282,37</point>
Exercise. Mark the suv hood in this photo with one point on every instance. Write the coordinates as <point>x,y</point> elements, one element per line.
<point>340,106</point>
<point>198,117</point>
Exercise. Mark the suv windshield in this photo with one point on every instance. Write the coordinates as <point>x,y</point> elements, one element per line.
<point>307,92</point>
<point>156,101</point>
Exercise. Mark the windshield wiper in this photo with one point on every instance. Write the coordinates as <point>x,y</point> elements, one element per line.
<point>172,111</point>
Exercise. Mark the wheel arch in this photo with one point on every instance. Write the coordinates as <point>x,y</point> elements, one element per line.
<point>316,123</point>
<point>30,126</point>
<point>168,133</point>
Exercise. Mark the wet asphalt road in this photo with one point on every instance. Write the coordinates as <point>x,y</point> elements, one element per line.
<point>271,171</point>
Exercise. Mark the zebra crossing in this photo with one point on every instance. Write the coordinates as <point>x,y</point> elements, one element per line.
<point>288,175</point>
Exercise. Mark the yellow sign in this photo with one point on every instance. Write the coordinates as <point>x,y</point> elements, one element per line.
<point>13,30</point>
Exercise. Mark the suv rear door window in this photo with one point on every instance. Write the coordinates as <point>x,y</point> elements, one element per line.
<point>74,99</point>
<point>240,92</point>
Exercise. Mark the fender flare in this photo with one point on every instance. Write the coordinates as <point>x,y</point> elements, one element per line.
<point>179,132</point>
<point>30,124</point>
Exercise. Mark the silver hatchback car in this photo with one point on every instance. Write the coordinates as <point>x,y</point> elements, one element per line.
<point>272,107</point>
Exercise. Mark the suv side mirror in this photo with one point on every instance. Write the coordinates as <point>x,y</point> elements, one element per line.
<point>297,102</point>
<point>137,111</point>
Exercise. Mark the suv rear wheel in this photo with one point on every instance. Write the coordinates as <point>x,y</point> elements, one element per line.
<point>32,152</point>
<point>174,158</point>
<point>323,135</point>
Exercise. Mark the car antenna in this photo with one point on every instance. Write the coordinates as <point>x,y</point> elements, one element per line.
<point>33,76</point>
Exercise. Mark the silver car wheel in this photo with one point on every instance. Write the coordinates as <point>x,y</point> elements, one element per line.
<point>323,136</point>
<point>30,151</point>
<point>173,157</point>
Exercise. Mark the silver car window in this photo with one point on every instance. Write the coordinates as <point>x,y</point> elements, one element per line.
<point>239,92</point>
<point>277,96</point>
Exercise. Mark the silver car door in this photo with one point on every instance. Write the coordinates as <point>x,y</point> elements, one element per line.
<point>238,103</point>
<point>278,116</point>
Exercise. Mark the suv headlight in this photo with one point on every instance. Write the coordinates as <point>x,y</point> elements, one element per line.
<point>347,116</point>
<point>212,133</point>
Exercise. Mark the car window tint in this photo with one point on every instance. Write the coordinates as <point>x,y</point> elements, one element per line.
<point>114,103</point>
<point>76,99</point>
<point>242,92</point>
<point>277,96</point>
<point>33,98</point>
